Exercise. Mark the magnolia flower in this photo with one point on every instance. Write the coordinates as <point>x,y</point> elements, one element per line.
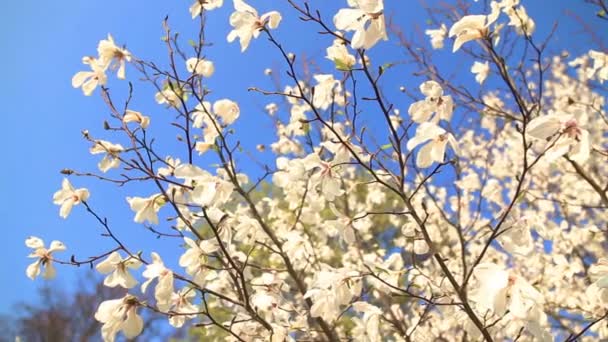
<point>324,92</point>
<point>338,53</point>
<point>519,19</point>
<point>332,289</point>
<point>434,150</point>
<point>171,163</point>
<point>146,209</point>
<point>563,134</point>
<point>437,36</point>
<point>469,182</point>
<point>164,288</point>
<point>181,304</point>
<point>204,117</point>
<point>326,177</point>
<point>67,197</point>
<point>248,24</point>
<point>110,160</point>
<point>341,150</point>
<point>198,6</point>
<point>112,56</point>
<point>296,246</point>
<point>420,246</point>
<point>118,269</point>
<point>267,295</point>
<point>195,256</point>
<point>208,190</point>
<point>517,238</point>
<point>597,292</point>
<point>271,108</point>
<point>472,27</point>
<point>226,110</point>
<point>390,271</point>
<point>133,116</point>
<point>481,71</point>
<point>201,147</point>
<point>200,67</point>
<point>366,18</point>
<point>170,95</point>
<point>412,232</point>
<point>44,257</point>
<point>345,225</point>
<point>500,290</point>
<point>89,80</point>
<point>119,315</point>
<point>368,327</point>
<point>599,273</point>
<point>600,65</point>
<point>434,103</point>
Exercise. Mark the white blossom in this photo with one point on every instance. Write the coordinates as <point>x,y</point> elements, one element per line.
<point>436,139</point>
<point>199,5</point>
<point>118,269</point>
<point>366,18</point>
<point>247,24</point>
<point>68,197</point>
<point>200,67</point>
<point>89,80</point>
<point>437,36</point>
<point>111,158</point>
<point>119,315</point>
<point>481,71</point>
<point>164,288</point>
<point>44,257</point>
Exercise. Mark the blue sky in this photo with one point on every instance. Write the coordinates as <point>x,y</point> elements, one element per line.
<point>42,115</point>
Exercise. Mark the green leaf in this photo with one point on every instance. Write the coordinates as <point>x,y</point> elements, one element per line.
<point>340,65</point>
<point>306,127</point>
<point>521,197</point>
<point>385,67</point>
<point>386,146</point>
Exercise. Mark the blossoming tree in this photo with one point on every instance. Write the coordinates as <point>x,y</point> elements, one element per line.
<point>477,213</point>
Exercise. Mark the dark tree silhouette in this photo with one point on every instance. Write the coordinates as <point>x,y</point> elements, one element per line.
<point>58,315</point>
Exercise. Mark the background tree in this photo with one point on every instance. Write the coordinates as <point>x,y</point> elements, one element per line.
<point>59,315</point>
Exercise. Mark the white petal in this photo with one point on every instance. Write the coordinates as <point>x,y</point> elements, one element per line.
<point>109,264</point>
<point>133,325</point>
<point>189,171</point>
<point>543,127</point>
<point>56,246</point>
<point>80,78</point>
<point>66,208</point>
<point>49,271</point>
<point>33,270</point>
<point>438,150</point>
<point>581,150</point>
<point>347,19</point>
<point>34,242</point>
<point>274,19</point>
<point>424,158</point>
<point>241,6</point>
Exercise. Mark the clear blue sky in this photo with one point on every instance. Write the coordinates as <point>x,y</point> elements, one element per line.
<point>42,115</point>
